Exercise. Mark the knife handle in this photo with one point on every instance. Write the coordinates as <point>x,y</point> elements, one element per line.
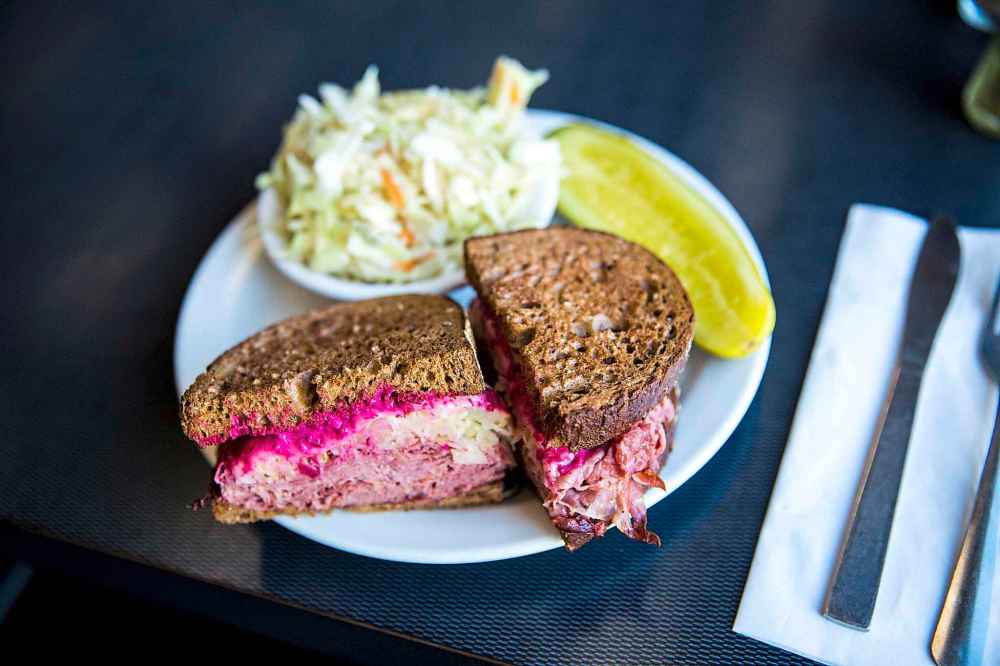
<point>854,587</point>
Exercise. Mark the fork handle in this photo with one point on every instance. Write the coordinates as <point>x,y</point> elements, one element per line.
<point>961,630</point>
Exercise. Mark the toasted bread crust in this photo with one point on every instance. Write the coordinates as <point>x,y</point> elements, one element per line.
<point>318,360</point>
<point>600,326</point>
<point>490,493</point>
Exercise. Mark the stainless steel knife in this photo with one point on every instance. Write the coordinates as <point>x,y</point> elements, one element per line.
<point>850,599</point>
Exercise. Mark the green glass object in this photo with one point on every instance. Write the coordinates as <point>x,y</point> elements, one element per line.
<point>981,98</point>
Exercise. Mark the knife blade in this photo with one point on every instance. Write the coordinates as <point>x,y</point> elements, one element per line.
<point>850,599</point>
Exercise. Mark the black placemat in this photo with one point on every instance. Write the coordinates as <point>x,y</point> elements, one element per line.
<point>133,134</point>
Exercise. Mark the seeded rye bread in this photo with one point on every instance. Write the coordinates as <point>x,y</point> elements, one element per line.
<point>311,362</point>
<point>601,327</point>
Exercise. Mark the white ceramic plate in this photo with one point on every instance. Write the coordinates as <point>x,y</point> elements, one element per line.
<point>236,291</point>
<point>543,199</point>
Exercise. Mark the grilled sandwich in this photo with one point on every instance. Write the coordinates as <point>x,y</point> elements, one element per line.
<point>371,405</point>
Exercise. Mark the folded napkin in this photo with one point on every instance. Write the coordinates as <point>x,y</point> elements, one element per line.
<point>831,436</point>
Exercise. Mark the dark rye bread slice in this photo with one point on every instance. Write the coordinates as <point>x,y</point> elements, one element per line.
<point>600,326</point>
<point>312,362</point>
<point>490,493</point>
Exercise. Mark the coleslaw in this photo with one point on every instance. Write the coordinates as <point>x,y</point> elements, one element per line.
<point>386,187</point>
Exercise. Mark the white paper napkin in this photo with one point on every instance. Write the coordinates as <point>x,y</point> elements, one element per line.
<point>831,435</point>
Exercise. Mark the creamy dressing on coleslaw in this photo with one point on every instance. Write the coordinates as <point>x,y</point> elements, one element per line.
<point>385,187</point>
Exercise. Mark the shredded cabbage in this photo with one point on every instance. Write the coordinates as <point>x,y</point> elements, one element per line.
<point>385,187</point>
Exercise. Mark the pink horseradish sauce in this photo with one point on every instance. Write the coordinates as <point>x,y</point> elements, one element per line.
<point>323,431</point>
<point>384,399</point>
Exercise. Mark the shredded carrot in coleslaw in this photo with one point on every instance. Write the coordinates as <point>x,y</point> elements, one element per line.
<point>386,187</point>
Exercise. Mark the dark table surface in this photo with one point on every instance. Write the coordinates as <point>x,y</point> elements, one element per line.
<point>132,134</point>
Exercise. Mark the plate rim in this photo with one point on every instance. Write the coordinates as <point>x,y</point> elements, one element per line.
<point>721,434</point>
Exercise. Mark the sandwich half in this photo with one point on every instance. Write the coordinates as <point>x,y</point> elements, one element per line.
<point>370,405</point>
<point>589,334</point>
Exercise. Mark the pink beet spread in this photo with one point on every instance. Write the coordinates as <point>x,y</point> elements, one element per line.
<point>307,468</point>
<point>324,428</point>
<point>585,491</point>
<point>384,399</point>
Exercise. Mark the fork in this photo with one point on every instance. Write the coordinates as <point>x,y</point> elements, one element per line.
<point>960,636</point>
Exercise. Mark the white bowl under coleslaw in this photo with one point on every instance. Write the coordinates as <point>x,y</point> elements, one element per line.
<point>372,194</point>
